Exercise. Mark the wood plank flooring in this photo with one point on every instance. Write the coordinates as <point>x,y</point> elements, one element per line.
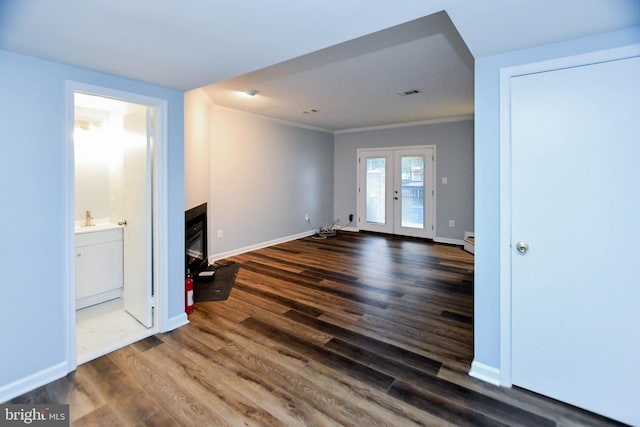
<point>358,330</point>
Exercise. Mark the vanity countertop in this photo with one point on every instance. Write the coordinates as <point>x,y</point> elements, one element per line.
<point>97,227</point>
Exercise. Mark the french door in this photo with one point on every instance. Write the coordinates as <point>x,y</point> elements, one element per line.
<point>396,192</point>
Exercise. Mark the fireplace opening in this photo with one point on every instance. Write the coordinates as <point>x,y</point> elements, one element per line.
<point>196,239</point>
<point>211,282</point>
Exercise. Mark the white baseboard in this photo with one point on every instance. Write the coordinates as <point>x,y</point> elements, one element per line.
<point>485,373</point>
<point>233,252</point>
<point>175,322</point>
<point>449,241</point>
<point>33,381</point>
<point>97,299</point>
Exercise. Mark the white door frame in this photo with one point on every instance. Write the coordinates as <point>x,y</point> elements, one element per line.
<point>505,180</point>
<point>160,230</point>
<point>360,208</point>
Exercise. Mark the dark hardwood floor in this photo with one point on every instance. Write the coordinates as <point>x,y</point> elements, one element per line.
<point>359,330</point>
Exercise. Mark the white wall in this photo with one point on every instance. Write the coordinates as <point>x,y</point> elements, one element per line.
<point>98,158</point>
<point>197,140</point>
<point>34,217</point>
<point>262,176</point>
<point>454,160</point>
<point>93,175</point>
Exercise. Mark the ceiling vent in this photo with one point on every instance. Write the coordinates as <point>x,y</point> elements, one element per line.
<point>409,92</point>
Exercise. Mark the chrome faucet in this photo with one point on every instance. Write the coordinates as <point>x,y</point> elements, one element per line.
<point>88,219</point>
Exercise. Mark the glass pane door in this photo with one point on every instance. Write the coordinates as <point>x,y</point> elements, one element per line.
<point>412,191</point>
<point>376,190</point>
<point>396,192</point>
<point>375,176</point>
<point>413,186</point>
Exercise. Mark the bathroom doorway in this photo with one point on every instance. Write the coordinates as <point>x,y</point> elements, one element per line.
<point>113,181</point>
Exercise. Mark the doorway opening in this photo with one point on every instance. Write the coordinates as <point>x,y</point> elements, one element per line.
<point>396,192</point>
<point>113,284</point>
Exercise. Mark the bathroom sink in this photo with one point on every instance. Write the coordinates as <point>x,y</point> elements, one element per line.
<point>97,227</point>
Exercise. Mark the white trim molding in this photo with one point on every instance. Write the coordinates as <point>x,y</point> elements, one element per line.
<point>448,241</point>
<point>485,373</point>
<point>175,322</point>
<point>33,381</point>
<point>408,124</point>
<point>233,252</point>
<point>273,119</point>
<point>160,210</point>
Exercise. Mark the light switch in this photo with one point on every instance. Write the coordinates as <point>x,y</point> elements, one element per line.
<point>444,179</point>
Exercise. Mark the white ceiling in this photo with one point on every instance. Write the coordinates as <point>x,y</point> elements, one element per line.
<point>186,45</point>
<point>356,84</point>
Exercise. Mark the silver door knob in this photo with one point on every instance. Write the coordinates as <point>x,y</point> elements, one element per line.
<point>522,247</point>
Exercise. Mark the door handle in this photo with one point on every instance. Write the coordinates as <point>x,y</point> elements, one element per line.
<point>522,247</point>
<point>122,222</point>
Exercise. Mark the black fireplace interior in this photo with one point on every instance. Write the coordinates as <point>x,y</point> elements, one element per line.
<point>211,282</point>
<point>196,239</point>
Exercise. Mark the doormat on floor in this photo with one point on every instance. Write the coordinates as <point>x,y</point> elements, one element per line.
<point>214,282</point>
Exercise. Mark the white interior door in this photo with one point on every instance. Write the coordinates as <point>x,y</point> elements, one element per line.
<point>576,206</point>
<point>396,191</point>
<point>137,160</point>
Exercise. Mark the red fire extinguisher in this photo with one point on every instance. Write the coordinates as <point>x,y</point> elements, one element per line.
<point>188,293</point>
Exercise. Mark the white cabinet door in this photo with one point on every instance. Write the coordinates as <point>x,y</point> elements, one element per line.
<point>576,203</point>
<point>98,267</point>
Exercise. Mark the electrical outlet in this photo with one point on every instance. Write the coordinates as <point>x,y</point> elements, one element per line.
<point>452,223</point>
<point>220,234</point>
<point>307,218</point>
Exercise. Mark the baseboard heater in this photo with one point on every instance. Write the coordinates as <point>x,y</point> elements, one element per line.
<point>469,242</point>
<point>214,282</point>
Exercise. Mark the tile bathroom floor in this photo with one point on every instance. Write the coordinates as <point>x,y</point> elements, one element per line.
<point>105,327</point>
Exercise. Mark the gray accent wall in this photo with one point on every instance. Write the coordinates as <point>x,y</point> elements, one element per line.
<point>454,160</point>
<point>265,176</point>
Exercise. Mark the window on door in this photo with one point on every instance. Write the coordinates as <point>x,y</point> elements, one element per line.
<point>412,191</point>
<point>376,190</point>
<point>396,191</point>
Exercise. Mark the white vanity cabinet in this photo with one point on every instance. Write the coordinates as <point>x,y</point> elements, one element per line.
<point>99,266</point>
